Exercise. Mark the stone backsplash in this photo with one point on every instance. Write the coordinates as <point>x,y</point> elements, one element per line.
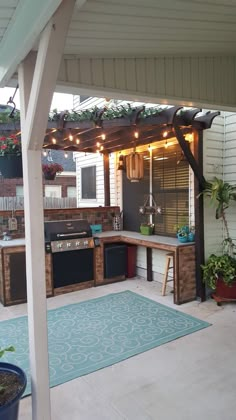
<point>94,215</point>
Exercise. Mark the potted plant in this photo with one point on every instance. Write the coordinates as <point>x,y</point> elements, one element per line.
<point>147,228</point>
<point>219,272</point>
<point>12,386</point>
<point>10,157</point>
<point>51,169</point>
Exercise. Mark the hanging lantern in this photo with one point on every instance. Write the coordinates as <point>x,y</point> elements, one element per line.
<point>134,167</point>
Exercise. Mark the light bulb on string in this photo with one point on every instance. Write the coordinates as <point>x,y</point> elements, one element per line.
<point>70,137</point>
<point>165,133</point>
<point>103,136</point>
<point>66,155</point>
<point>54,141</point>
<point>77,141</point>
<point>45,153</point>
<point>98,144</point>
<point>136,134</point>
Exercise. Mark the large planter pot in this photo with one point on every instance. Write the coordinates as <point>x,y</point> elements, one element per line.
<point>224,291</point>
<point>11,166</point>
<point>9,411</point>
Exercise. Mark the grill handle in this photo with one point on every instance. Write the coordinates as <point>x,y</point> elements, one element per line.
<point>61,235</point>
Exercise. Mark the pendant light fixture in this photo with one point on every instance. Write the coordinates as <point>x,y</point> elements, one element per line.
<point>134,166</point>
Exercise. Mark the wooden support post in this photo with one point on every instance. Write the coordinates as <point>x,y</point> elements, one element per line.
<point>199,217</point>
<point>107,201</point>
<point>37,84</point>
<point>149,264</point>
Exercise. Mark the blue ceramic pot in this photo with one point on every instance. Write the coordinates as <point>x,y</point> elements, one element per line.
<point>183,239</point>
<point>191,236</point>
<point>9,411</point>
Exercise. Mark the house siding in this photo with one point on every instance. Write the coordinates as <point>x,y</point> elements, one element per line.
<point>193,81</point>
<point>213,154</point>
<point>230,166</point>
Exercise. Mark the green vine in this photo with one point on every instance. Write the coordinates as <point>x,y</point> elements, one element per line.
<point>90,114</point>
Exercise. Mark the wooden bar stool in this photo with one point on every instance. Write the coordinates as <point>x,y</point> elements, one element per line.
<point>169,260</point>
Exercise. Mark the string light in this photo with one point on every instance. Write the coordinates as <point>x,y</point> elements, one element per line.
<point>77,141</point>
<point>165,133</point>
<point>54,141</point>
<point>103,136</point>
<point>70,137</point>
<point>45,153</point>
<point>136,134</point>
<point>66,155</point>
<point>98,144</point>
<point>101,148</point>
<point>189,137</point>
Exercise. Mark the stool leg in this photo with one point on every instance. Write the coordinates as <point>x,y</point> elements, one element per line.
<point>163,291</point>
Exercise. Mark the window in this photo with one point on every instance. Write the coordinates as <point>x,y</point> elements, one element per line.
<point>53,191</point>
<point>88,182</point>
<point>170,186</point>
<point>19,191</point>
<point>71,191</point>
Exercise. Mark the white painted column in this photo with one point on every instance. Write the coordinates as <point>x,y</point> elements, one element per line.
<point>36,89</point>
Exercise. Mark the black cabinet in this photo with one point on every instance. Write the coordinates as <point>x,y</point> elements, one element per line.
<point>115,260</point>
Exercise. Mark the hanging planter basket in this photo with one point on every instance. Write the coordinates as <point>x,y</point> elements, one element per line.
<point>49,177</point>
<point>11,166</point>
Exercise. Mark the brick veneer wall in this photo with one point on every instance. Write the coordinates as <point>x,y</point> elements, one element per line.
<point>8,186</point>
<point>95,215</point>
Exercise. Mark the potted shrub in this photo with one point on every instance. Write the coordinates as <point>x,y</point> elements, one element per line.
<point>219,272</point>
<point>51,169</point>
<point>147,228</point>
<point>12,386</point>
<point>10,157</point>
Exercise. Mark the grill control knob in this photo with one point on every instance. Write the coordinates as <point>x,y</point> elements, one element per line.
<point>85,243</point>
<point>77,243</point>
<point>59,245</point>
<point>68,244</point>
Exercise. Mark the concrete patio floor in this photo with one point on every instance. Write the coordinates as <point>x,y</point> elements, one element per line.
<point>191,378</point>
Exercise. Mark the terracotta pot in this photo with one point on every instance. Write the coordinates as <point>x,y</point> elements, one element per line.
<point>224,291</point>
<point>11,166</point>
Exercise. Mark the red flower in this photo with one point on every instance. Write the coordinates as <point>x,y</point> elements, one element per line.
<point>15,141</point>
<point>3,147</point>
<point>2,138</point>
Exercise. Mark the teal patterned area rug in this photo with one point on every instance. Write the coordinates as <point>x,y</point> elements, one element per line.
<point>91,335</point>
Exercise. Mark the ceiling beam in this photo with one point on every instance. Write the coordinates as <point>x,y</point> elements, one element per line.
<point>21,36</point>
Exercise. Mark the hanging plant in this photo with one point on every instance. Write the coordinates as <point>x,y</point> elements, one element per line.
<point>10,146</point>
<point>50,170</point>
<point>10,157</point>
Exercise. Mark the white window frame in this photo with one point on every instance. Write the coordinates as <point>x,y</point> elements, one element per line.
<point>84,200</point>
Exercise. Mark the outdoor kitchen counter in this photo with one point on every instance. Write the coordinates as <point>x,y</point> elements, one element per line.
<point>12,242</point>
<point>136,236</point>
<point>184,262</point>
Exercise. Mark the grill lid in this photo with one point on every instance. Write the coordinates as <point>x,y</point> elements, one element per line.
<point>66,229</point>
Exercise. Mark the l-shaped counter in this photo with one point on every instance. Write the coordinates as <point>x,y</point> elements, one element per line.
<point>12,263</point>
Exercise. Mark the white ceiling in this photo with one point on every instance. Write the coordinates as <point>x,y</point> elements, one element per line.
<point>144,27</point>
<point>153,27</point>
